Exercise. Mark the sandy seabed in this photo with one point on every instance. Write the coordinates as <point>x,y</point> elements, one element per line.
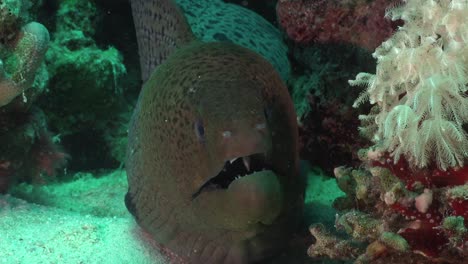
<point>85,221</point>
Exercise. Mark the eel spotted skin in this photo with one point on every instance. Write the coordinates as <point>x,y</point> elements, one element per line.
<point>212,158</point>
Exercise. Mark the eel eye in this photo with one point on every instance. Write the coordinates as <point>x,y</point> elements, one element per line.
<point>200,130</point>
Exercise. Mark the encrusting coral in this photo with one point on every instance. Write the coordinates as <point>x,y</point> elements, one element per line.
<point>384,218</point>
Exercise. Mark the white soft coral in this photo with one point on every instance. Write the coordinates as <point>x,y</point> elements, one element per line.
<point>420,84</point>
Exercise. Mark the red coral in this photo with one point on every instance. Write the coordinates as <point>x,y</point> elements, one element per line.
<point>425,238</point>
<point>48,157</point>
<point>432,216</point>
<point>26,147</point>
<point>329,136</point>
<point>430,177</point>
<point>424,230</point>
<point>460,208</point>
<point>358,22</point>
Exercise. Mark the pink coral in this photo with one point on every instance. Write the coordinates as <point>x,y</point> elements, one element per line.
<point>358,22</point>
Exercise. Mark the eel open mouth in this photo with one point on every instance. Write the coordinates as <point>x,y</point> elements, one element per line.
<point>234,169</point>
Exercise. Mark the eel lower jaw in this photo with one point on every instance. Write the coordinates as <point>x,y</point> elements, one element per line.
<point>235,169</point>
<point>247,205</point>
<point>245,195</point>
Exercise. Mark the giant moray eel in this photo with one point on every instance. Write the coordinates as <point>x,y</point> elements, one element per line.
<point>212,158</point>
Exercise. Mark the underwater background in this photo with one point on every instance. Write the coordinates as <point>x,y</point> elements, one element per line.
<point>67,96</point>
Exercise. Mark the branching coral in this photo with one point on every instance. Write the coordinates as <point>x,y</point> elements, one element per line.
<point>420,85</point>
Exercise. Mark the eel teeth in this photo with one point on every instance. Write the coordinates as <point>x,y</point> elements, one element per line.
<point>246,161</point>
<point>234,159</point>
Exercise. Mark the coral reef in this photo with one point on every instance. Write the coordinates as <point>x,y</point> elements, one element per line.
<point>360,22</point>
<point>323,102</point>
<point>386,216</point>
<point>86,97</point>
<point>328,134</point>
<point>27,148</point>
<point>408,203</point>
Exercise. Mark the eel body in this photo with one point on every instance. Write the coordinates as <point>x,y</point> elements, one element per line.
<point>212,158</point>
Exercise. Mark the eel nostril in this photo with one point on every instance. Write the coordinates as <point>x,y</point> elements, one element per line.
<point>227,134</point>
<point>261,126</point>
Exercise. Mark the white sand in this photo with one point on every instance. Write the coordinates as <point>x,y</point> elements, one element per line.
<point>65,231</point>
